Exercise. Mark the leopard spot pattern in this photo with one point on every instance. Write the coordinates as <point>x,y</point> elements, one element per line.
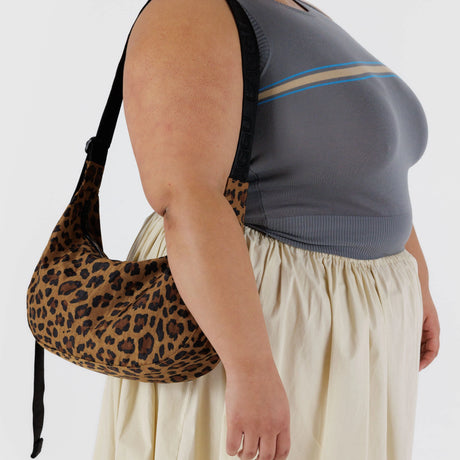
<point>120,318</point>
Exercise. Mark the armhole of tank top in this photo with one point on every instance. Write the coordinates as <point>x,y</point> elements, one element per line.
<point>262,42</point>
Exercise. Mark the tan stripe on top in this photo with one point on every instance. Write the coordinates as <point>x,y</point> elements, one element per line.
<point>323,76</point>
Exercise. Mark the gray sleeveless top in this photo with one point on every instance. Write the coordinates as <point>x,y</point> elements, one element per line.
<point>336,133</point>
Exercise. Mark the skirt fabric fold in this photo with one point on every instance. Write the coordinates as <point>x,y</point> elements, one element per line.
<point>345,335</point>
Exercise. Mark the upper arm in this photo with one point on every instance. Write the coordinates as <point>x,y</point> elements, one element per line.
<point>182,92</point>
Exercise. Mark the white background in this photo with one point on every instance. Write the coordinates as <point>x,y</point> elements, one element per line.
<point>59,61</point>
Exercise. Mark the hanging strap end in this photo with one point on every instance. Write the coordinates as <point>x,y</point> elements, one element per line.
<point>37,447</point>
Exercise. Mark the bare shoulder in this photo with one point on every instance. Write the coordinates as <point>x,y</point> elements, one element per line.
<point>182,92</point>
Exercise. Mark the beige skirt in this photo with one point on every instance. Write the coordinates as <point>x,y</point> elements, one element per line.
<point>345,335</point>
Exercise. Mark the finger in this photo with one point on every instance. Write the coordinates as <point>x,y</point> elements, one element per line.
<point>267,447</point>
<point>428,351</point>
<point>250,445</point>
<point>427,356</point>
<point>234,435</point>
<point>430,345</point>
<point>424,362</point>
<point>283,445</point>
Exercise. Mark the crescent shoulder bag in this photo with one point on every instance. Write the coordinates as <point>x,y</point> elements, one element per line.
<point>125,318</point>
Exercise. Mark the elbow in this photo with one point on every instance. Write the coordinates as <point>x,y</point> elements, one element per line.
<point>163,197</point>
<point>182,198</point>
<point>158,201</point>
<point>158,206</point>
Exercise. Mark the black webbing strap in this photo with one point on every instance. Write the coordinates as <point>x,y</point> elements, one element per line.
<point>38,408</point>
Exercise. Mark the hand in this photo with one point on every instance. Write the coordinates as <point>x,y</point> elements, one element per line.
<point>429,346</point>
<point>257,406</point>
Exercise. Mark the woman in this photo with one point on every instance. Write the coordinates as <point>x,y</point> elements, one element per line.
<point>317,310</point>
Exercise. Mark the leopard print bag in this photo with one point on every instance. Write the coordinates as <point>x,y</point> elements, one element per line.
<point>125,318</point>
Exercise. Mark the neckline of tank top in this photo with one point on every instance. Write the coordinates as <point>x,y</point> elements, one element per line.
<point>309,12</point>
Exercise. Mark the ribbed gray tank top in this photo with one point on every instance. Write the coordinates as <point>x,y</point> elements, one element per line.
<point>336,133</point>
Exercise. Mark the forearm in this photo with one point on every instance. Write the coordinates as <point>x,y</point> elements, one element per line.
<point>210,263</point>
<point>413,246</point>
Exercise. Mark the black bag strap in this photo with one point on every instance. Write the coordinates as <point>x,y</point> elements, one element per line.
<point>38,409</point>
<point>98,146</point>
